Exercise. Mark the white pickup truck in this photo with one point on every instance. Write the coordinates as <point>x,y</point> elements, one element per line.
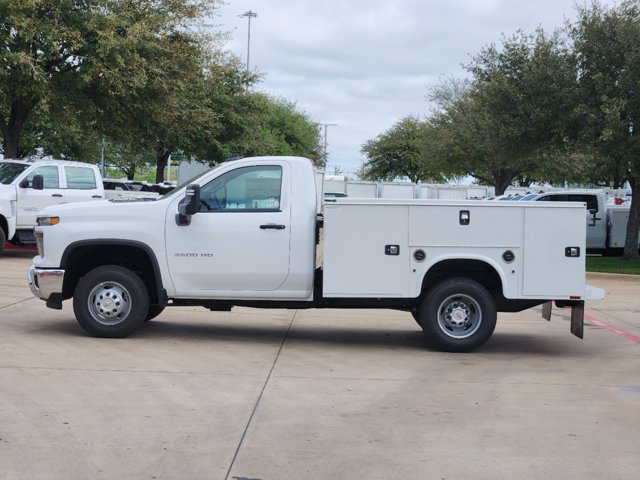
<point>26,186</point>
<point>606,223</point>
<point>245,234</point>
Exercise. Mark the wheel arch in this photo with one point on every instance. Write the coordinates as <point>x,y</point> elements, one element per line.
<point>85,255</point>
<point>482,270</point>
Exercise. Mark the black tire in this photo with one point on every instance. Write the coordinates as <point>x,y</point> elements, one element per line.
<point>154,311</point>
<point>458,315</point>
<point>111,302</point>
<point>3,239</point>
<point>415,313</point>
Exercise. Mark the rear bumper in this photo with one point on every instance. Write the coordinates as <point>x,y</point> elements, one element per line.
<point>45,282</point>
<point>593,293</point>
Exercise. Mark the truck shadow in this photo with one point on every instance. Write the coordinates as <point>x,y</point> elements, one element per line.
<point>362,337</point>
<point>167,331</point>
<point>355,337</point>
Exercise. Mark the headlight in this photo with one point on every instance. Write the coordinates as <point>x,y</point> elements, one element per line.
<point>48,221</point>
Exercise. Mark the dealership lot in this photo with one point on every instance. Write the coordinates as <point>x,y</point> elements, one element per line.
<point>277,394</point>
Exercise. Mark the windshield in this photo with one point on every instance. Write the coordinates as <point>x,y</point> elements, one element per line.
<point>9,171</point>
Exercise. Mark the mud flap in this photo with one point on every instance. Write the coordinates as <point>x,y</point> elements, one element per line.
<point>546,311</point>
<point>577,319</point>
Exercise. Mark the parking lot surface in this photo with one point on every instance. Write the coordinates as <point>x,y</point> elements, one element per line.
<point>317,394</point>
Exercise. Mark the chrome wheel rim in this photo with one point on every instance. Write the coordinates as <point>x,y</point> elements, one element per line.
<point>459,316</point>
<point>109,303</point>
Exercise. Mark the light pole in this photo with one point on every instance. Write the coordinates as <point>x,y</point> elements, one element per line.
<point>249,15</point>
<point>324,146</point>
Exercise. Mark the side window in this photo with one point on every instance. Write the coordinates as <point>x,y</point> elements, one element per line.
<point>590,200</point>
<point>80,178</point>
<point>553,198</point>
<point>247,189</point>
<point>50,175</point>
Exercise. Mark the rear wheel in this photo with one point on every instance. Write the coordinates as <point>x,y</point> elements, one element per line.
<point>111,302</point>
<point>3,239</point>
<point>458,315</point>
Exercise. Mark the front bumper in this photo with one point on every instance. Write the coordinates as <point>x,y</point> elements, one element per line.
<point>45,282</point>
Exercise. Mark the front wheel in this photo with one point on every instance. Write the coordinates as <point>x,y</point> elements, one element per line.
<point>458,315</point>
<point>110,302</point>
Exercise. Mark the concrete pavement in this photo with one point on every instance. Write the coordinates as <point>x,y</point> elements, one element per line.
<point>276,394</point>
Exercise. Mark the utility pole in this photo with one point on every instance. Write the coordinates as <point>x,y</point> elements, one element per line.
<point>249,15</point>
<point>325,154</point>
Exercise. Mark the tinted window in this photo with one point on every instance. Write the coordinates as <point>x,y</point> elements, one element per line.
<point>590,200</point>
<point>80,178</point>
<point>9,171</point>
<point>244,189</point>
<point>50,175</point>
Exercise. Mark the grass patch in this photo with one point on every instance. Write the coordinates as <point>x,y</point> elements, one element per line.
<point>613,265</point>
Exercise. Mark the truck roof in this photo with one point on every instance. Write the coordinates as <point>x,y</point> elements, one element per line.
<point>31,161</point>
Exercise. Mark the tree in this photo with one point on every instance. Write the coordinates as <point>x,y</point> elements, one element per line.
<point>111,63</point>
<point>514,118</point>
<point>43,45</point>
<point>406,150</point>
<point>145,79</point>
<point>263,125</point>
<point>607,44</point>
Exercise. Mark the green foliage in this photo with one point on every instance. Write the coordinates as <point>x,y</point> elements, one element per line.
<point>514,118</point>
<point>43,48</point>
<point>613,265</point>
<point>257,124</point>
<point>607,44</point>
<point>406,150</point>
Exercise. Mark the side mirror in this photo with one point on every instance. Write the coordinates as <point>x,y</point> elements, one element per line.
<point>189,205</point>
<point>37,183</point>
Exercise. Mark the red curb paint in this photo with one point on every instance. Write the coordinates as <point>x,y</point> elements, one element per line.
<point>612,329</point>
<point>10,246</point>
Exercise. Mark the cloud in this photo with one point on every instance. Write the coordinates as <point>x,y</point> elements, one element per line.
<point>366,64</point>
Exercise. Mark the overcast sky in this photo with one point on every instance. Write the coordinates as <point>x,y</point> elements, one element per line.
<point>365,64</point>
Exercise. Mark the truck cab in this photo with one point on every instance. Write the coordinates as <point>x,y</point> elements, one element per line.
<point>27,186</point>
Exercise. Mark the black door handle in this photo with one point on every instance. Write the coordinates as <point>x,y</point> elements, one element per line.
<point>271,226</point>
<point>96,196</point>
<point>59,195</point>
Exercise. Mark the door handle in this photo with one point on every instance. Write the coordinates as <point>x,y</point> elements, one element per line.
<point>96,196</point>
<point>58,195</point>
<point>271,226</point>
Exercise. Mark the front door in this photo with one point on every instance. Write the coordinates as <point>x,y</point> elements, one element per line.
<point>30,201</point>
<point>239,240</point>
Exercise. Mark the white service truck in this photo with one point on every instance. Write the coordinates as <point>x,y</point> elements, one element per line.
<point>26,186</point>
<point>246,234</point>
<point>606,223</point>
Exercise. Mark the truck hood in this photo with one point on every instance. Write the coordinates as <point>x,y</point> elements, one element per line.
<point>106,211</point>
<point>7,192</point>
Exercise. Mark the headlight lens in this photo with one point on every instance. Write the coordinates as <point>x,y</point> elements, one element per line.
<point>48,221</point>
